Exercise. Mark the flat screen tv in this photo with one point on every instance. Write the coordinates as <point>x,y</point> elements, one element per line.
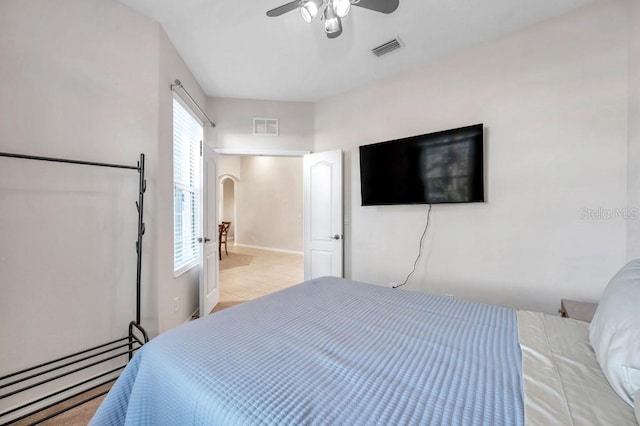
<point>442,167</point>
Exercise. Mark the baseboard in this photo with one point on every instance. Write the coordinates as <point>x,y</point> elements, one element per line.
<point>269,249</point>
<point>194,315</point>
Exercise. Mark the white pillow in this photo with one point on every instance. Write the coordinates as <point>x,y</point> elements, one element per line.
<point>615,331</point>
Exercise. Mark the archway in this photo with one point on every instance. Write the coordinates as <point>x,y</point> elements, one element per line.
<point>227,205</point>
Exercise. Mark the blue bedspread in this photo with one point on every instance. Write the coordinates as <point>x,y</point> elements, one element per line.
<point>329,351</point>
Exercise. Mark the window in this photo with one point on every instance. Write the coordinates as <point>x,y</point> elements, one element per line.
<point>187,137</point>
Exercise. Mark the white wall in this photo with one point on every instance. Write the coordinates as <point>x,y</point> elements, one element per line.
<point>234,131</point>
<point>633,192</point>
<point>84,79</point>
<point>229,166</point>
<point>80,81</point>
<point>269,203</point>
<point>553,99</point>
<point>234,124</point>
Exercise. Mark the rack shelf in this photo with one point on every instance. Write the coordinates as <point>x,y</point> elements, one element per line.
<point>54,372</point>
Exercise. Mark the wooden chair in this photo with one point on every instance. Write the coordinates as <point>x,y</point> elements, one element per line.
<point>223,231</point>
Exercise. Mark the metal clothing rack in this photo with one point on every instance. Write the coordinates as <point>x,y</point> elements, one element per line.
<point>52,371</point>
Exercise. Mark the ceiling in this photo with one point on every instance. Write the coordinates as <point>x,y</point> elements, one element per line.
<point>234,50</point>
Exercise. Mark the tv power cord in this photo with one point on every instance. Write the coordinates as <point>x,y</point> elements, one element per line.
<point>415,264</point>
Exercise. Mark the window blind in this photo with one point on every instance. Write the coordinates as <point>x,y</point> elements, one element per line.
<point>187,136</point>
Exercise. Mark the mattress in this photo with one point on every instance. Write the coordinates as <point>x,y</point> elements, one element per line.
<point>563,382</point>
<point>329,351</point>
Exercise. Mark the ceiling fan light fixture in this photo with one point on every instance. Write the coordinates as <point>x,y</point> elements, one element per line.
<point>331,20</point>
<point>309,10</point>
<point>332,11</point>
<point>341,7</point>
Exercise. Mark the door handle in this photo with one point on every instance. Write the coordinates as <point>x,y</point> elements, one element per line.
<point>206,240</point>
<point>335,237</point>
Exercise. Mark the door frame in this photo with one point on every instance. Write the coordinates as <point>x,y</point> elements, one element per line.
<point>260,152</point>
<point>233,152</point>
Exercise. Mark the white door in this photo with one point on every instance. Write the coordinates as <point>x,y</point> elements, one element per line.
<point>323,234</point>
<point>209,294</point>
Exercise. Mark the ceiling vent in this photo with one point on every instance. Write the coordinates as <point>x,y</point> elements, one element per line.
<point>387,47</point>
<point>265,126</point>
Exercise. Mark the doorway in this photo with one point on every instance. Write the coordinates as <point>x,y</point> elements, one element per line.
<point>227,207</point>
<point>262,198</point>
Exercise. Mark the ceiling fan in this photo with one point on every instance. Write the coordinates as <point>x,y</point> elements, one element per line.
<point>332,11</point>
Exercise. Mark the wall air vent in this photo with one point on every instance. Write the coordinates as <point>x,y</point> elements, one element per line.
<point>387,47</point>
<point>265,126</point>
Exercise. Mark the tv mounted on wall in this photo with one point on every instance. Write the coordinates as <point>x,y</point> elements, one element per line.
<point>442,167</point>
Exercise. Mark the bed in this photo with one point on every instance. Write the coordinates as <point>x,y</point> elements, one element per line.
<point>335,351</point>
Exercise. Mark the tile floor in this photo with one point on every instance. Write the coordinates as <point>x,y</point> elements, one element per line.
<point>268,272</point>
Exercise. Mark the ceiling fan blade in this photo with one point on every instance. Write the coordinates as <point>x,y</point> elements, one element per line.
<point>382,6</point>
<point>337,33</point>
<point>280,10</point>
